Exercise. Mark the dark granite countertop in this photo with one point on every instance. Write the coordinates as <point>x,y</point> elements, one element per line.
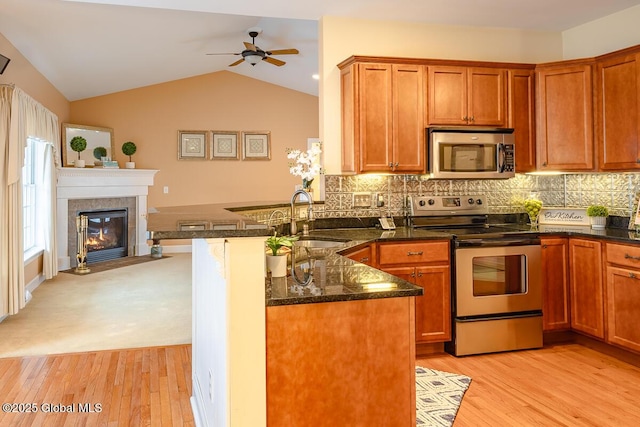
<point>204,221</point>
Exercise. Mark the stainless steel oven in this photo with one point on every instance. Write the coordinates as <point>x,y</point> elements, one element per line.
<point>496,282</point>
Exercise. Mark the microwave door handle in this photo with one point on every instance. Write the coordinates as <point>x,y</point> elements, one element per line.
<point>502,158</point>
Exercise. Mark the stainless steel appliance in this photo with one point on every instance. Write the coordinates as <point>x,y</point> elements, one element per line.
<point>496,282</point>
<point>471,153</point>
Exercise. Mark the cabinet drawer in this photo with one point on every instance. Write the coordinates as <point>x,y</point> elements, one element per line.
<point>414,252</point>
<point>628,256</point>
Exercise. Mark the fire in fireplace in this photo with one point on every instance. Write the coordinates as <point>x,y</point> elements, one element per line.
<point>106,234</point>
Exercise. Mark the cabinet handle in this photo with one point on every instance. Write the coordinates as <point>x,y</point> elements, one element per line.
<point>365,259</point>
<point>472,118</point>
<point>465,118</point>
<point>409,253</point>
<point>413,274</point>
<point>396,165</point>
<point>635,258</point>
<point>420,274</point>
<point>637,160</point>
<point>633,276</point>
<point>544,246</point>
<point>391,165</point>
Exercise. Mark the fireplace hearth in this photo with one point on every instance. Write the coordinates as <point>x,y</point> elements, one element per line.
<point>106,234</point>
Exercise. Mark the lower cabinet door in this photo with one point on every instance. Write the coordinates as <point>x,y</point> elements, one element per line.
<point>433,308</point>
<point>623,307</point>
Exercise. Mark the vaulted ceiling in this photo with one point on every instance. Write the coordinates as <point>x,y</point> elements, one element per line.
<point>93,47</point>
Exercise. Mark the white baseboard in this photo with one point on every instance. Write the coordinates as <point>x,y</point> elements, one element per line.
<point>34,283</point>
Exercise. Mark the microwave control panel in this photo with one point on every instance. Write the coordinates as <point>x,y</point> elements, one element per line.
<point>509,158</point>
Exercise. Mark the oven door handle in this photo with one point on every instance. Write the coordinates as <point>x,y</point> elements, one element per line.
<point>487,243</point>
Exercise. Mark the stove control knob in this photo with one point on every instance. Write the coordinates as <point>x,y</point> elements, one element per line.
<point>432,202</point>
<point>479,201</point>
<point>471,201</point>
<point>422,203</point>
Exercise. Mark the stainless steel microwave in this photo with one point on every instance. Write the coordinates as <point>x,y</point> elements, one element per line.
<point>471,153</point>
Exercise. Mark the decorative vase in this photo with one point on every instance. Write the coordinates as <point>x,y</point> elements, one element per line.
<point>533,220</point>
<point>598,222</point>
<point>79,163</point>
<point>277,264</point>
<point>130,165</point>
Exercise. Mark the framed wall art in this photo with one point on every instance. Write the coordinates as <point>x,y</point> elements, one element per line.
<point>256,146</point>
<point>224,145</point>
<point>192,145</point>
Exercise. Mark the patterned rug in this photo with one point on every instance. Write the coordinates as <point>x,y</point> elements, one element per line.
<point>438,396</point>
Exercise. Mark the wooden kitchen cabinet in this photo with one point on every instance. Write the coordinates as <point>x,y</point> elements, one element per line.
<point>363,255</point>
<point>467,96</point>
<point>521,117</point>
<point>555,284</point>
<point>618,111</point>
<point>425,264</point>
<point>623,295</point>
<point>587,291</point>
<point>564,117</point>
<point>383,127</point>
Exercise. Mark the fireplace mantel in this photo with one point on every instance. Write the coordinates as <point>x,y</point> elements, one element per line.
<point>97,183</point>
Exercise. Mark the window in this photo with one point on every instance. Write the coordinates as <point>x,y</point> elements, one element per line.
<point>31,194</point>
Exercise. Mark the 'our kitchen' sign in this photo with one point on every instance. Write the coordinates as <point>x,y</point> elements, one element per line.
<point>563,216</point>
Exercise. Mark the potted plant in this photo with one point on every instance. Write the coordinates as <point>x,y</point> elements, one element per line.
<point>598,216</point>
<point>78,144</point>
<point>98,154</point>
<point>129,148</point>
<point>277,258</point>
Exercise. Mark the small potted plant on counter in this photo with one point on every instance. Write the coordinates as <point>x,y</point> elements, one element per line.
<point>598,216</point>
<point>277,258</point>
<point>78,144</point>
<point>129,149</point>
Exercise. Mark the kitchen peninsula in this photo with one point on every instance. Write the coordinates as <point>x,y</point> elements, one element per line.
<point>304,352</point>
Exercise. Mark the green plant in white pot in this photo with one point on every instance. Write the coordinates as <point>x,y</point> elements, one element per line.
<point>277,258</point>
<point>129,149</point>
<point>78,144</point>
<point>598,216</point>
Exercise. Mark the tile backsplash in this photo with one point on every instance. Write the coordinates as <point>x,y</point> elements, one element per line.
<point>614,190</point>
<point>617,191</point>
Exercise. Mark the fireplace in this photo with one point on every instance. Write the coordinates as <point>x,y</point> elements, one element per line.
<point>106,234</point>
<point>92,189</point>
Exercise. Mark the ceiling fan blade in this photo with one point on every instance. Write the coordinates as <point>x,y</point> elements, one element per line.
<point>274,61</point>
<point>283,52</point>
<point>237,62</point>
<point>222,54</point>
<point>250,46</point>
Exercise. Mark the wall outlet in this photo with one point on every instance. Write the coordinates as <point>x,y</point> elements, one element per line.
<point>362,200</point>
<point>165,190</point>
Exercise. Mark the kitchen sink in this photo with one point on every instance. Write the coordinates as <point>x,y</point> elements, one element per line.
<point>320,244</point>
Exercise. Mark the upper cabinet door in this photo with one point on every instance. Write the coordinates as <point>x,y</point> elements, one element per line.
<point>408,142</point>
<point>618,113</point>
<point>375,115</point>
<point>487,99</point>
<point>521,117</point>
<point>447,96</point>
<point>467,96</point>
<point>564,118</point>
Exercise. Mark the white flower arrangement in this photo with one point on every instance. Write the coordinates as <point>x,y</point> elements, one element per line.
<point>306,164</point>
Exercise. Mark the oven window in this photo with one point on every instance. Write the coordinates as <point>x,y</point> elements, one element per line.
<point>499,275</point>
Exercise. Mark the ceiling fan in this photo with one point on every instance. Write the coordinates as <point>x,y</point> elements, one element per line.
<point>253,54</point>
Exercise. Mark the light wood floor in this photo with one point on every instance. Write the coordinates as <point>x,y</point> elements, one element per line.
<point>147,386</point>
<point>561,385</point>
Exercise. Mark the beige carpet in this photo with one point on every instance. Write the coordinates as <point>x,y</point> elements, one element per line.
<point>141,305</point>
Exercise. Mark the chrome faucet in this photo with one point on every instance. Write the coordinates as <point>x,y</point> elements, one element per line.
<point>294,227</point>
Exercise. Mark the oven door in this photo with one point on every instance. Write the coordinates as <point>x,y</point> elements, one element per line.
<point>497,280</point>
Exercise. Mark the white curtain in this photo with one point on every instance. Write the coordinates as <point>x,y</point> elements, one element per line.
<point>22,117</point>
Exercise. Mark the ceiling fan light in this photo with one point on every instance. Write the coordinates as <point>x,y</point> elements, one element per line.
<point>253,59</point>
